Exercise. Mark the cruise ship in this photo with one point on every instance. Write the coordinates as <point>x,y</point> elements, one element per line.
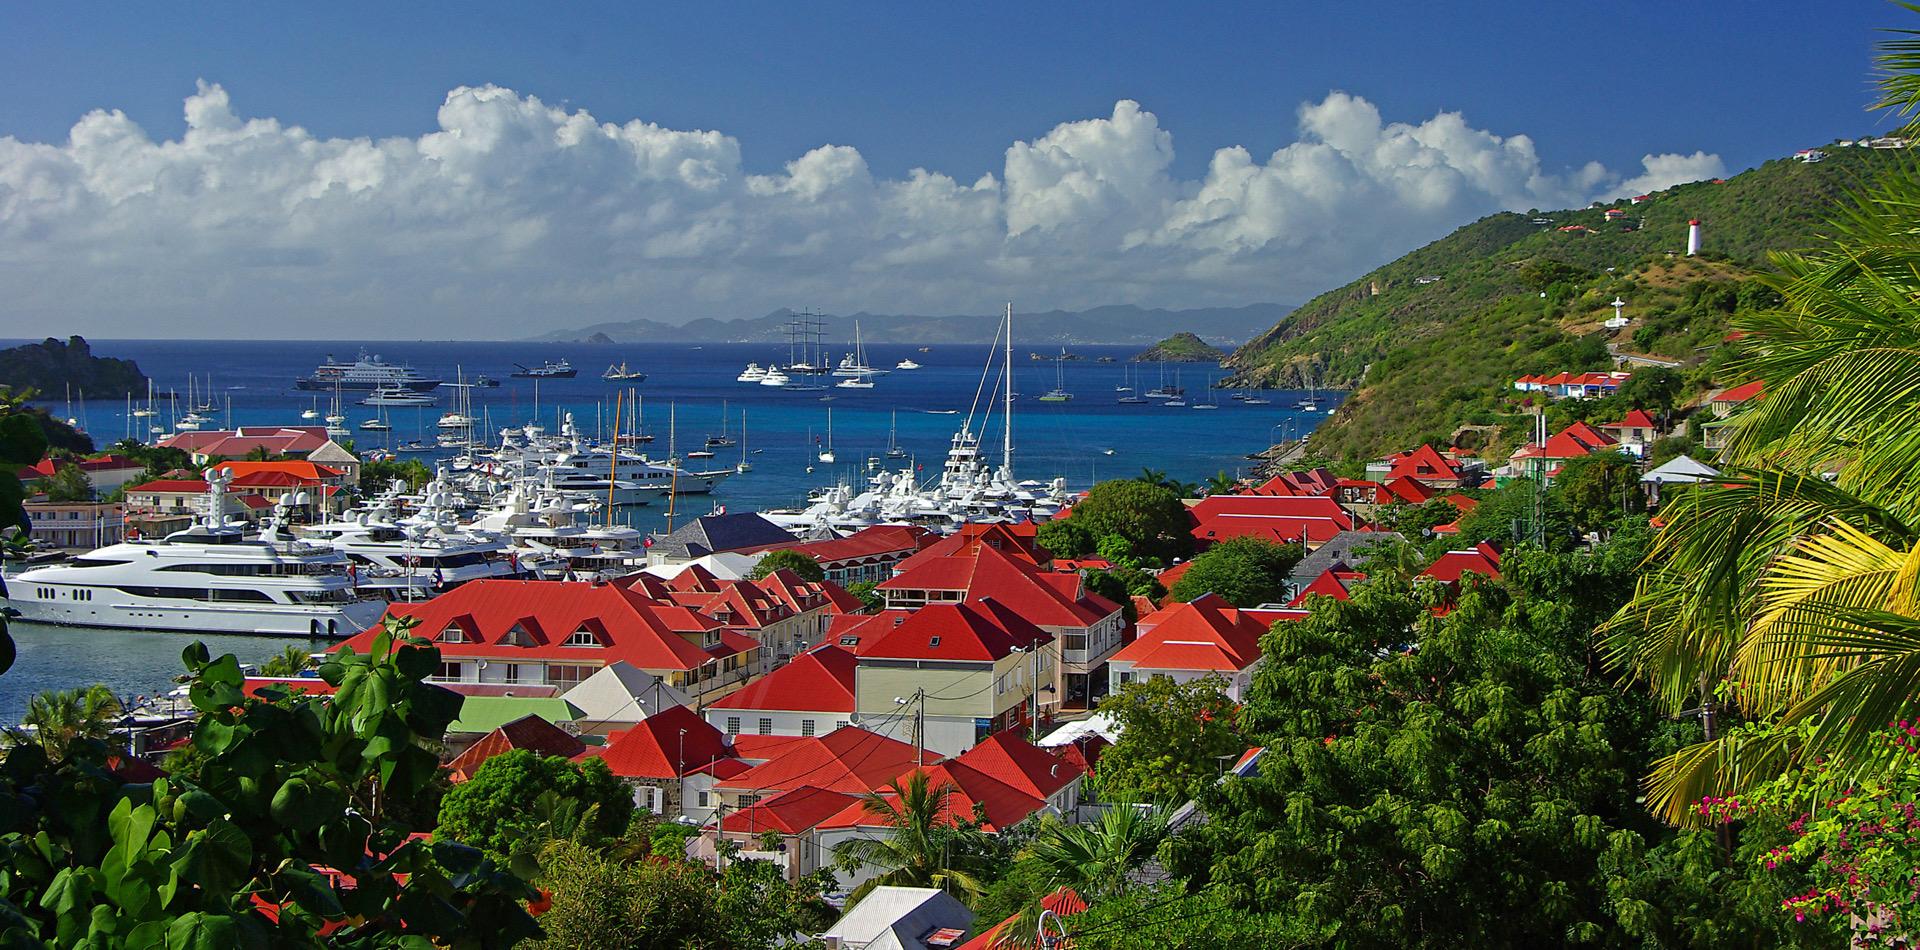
<point>365,374</point>
<point>211,577</point>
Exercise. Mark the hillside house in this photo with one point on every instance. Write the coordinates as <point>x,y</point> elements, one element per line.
<point>966,670</point>
<point>1203,637</point>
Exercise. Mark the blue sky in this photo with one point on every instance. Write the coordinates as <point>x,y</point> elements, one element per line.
<point>947,88</point>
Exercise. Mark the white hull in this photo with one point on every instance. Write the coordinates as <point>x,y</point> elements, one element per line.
<point>174,616</point>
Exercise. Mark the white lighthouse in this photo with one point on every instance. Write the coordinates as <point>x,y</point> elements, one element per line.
<point>1693,237</point>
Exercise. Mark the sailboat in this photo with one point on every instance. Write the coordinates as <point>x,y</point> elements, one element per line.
<point>894,451</point>
<point>311,412</point>
<point>1059,391</point>
<point>706,451</point>
<point>826,454</point>
<point>722,440</point>
<point>146,411</point>
<point>854,365</point>
<point>1312,402</point>
<point>744,466</point>
<point>1163,391</point>
<point>1128,396</point>
<point>1209,404</point>
<point>1176,397</point>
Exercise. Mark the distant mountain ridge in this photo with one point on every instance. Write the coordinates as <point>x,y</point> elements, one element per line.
<point>1115,324</point>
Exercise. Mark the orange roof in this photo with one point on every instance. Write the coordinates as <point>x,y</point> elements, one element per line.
<point>989,573</point>
<point>668,744</point>
<point>1204,634</point>
<point>819,680</point>
<point>651,635</point>
<point>305,471</point>
<point>1004,805</point>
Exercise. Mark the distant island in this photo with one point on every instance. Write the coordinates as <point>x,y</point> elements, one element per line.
<point>1116,325</point>
<point>1181,347</point>
<point>50,367</point>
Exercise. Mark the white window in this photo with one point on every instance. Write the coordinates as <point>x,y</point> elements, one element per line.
<point>705,798</point>
<point>842,724</point>
<point>453,634</point>
<point>583,637</point>
<point>518,636</point>
<point>733,725</point>
<point>806,727</point>
<point>766,727</point>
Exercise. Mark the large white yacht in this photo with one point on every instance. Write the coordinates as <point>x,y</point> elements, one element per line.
<point>211,577</point>
<point>413,557</point>
<point>367,373</point>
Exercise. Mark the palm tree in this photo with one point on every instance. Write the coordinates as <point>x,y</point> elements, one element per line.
<point>1095,859</point>
<point>1790,590</point>
<point>925,845</point>
<point>1222,484</point>
<point>56,719</point>
<point>289,662</point>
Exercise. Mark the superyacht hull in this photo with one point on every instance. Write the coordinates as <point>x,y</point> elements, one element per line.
<point>133,612</point>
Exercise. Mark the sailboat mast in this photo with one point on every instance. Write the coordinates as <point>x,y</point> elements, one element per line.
<point>1006,448</point>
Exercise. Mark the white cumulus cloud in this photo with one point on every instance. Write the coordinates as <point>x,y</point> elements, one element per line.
<point>515,216</point>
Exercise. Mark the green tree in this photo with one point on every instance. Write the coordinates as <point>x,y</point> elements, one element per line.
<point>290,661</point>
<point>493,811</point>
<point>1246,571</point>
<point>925,844</point>
<point>1148,516</point>
<point>288,784</point>
<point>1784,591</point>
<point>1222,483</point>
<point>1415,521</point>
<point>376,476</point>
<point>1520,512</point>
<point>1600,490</point>
<point>869,594</point>
<point>68,485</point>
<point>1095,858</point>
<point>1175,739</point>
<point>57,719</point>
<point>791,560</point>
<point>1655,389</point>
<point>603,902</point>
<point>1066,537</point>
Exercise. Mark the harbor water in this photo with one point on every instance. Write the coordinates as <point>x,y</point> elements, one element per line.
<point>691,390</point>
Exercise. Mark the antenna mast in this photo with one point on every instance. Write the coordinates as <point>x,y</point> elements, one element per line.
<point>1006,450</point>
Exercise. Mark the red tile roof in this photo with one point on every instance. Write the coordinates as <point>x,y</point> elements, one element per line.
<point>1331,583</point>
<point>1424,463</point>
<point>1743,392</point>
<point>1045,598</point>
<point>46,467</point>
<point>1012,760</point>
<point>303,472</point>
<point>1635,419</point>
<point>527,732</point>
<point>277,440</point>
<point>789,813</point>
<point>1205,634</point>
<point>856,632</point>
<point>850,760</point>
<point>656,747</point>
<point>1016,540</point>
<point>873,541</point>
<point>1003,804</point>
<point>819,680</point>
<point>649,634</point>
<point>1449,567</point>
<point>167,486</point>
<point>1410,490</point>
<point>969,632</point>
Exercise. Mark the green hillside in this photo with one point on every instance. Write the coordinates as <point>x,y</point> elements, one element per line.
<point>1431,342</point>
<point>1181,347</point>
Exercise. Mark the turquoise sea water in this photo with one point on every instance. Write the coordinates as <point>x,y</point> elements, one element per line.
<point>1090,438</point>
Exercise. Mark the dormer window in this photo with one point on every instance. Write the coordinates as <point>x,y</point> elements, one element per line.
<point>518,636</point>
<point>453,633</point>
<point>933,642</point>
<point>849,641</point>
<point>583,637</point>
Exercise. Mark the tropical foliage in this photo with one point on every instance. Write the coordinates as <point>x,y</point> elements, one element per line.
<point>925,844</point>
<point>1247,572</point>
<point>787,559</point>
<point>518,799</point>
<point>289,785</point>
<point>57,720</point>
<point>1175,739</point>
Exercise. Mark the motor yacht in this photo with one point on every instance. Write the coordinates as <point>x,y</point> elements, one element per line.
<point>211,577</point>
<point>397,396</point>
<point>752,374</point>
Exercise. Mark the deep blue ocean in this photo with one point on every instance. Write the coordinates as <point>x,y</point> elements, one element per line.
<point>1085,440</point>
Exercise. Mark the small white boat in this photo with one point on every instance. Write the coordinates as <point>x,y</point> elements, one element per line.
<point>309,413</point>
<point>454,420</point>
<point>398,396</point>
<point>374,425</point>
<point>907,363</point>
<point>856,382</point>
<point>774,377</point>
<point>826,454</point>
<point>752,374</point>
